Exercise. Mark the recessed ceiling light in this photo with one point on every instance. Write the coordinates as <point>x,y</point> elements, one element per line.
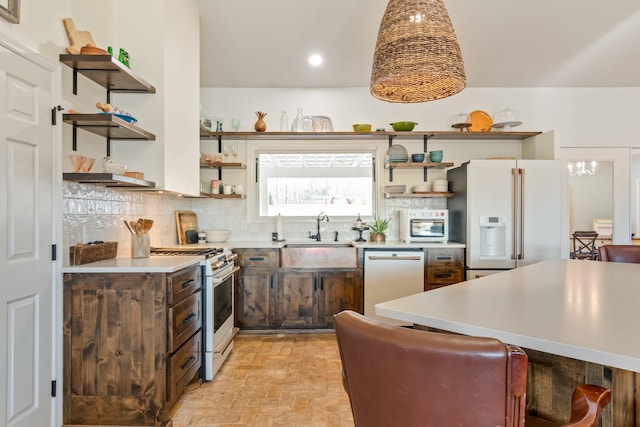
<point>315,60</point>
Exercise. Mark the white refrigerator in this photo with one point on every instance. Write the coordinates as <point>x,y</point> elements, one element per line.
<point>508,213</point>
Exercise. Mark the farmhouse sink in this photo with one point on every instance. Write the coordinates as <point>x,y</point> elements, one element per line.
<point>319,255</point>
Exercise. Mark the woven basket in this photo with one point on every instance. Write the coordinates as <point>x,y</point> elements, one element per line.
<point>417,57</point>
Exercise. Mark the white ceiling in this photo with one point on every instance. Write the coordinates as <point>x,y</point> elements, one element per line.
<point>505,43</point>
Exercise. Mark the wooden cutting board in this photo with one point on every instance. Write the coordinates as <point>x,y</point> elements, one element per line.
<point>78,39</point>
<point>185,220</point>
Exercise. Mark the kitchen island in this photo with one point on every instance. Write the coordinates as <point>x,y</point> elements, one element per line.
<point>577,321</point>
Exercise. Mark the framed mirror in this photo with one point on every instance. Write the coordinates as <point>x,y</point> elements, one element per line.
<point>606,193</point>
<point>10,10</point>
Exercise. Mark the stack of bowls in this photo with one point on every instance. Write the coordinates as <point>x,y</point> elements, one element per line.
<point>440,186</point>
<point>397,154</point>
<point>418,157</point>
<point>422,188</point>
<point>436,156</point>
<point>395,189</point>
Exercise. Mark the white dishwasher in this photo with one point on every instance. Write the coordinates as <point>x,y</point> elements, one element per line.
<point>391,274</point>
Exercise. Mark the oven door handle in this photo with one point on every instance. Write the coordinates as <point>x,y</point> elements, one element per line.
<point>218,280</point>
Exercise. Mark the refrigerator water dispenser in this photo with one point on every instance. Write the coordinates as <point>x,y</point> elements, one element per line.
<point>493,238</point>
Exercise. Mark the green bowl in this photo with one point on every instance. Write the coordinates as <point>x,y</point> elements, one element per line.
<point>403,126</point>
<point>362,127</point>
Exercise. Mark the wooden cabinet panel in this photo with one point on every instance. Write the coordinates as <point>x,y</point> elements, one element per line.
<point>255,298</point>
<point>342,291</point>
<point>185,319</point>
<point>257,258</point>
<point>297,300</point>
<point>445,266</point>
<point>182,367</point>
<point>123,359</point>
<point>183,283</point>
<point>114,344</point>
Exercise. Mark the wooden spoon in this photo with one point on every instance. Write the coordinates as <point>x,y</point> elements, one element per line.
<point>134,227</point>
<point>129,226</point>
<point>146,225</point>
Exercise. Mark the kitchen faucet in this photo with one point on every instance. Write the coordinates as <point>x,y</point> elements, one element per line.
<point>321,217</point>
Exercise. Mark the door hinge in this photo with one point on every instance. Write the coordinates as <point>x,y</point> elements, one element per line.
<point>54,252</point>
<point>54,117</point>
<point>54,384</point>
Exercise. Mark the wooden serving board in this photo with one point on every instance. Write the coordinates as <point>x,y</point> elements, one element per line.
<point>185,220</point>
<point>78,39</point>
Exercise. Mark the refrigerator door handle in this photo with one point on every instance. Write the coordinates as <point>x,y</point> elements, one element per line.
<point>514,232</point>
<point>521,225</point>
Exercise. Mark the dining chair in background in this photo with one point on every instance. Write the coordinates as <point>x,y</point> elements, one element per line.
<point>584,245</point>
<point>619,253</point>
<point>407,377</point>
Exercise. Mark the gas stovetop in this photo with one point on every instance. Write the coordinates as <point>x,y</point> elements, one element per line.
<point>207,252</point>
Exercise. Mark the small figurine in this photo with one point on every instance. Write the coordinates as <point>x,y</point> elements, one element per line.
<point>260,125</point>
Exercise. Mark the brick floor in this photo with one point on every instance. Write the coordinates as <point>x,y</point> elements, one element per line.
<point>272,380</point>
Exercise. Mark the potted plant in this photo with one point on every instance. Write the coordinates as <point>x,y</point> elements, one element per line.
<point>378,228</point>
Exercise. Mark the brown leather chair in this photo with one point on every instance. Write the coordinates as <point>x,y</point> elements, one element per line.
<point>396,376</point>
<point>619,253</point>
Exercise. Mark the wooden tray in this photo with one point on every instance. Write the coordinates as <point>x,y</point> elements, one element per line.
<point>85,254</point>
<point>185,220</point>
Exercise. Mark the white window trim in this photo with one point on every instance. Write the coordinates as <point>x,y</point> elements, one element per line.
<point>378,148</point>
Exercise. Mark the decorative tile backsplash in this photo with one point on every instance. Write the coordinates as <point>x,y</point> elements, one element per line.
<point>93,213</point>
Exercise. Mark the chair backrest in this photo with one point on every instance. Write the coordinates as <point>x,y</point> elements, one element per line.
<point>584,245</point>
<point>396,376</point>
<point>619,253</point>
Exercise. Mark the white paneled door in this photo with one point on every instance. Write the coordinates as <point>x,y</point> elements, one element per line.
<point>26,218</point>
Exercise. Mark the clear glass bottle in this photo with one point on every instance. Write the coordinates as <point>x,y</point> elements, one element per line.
<point>298,122</point>
<point>284,122</point>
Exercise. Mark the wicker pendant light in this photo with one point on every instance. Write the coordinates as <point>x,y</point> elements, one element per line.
<point>417,57</point>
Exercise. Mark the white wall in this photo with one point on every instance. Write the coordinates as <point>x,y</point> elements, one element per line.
<point>579,117</point>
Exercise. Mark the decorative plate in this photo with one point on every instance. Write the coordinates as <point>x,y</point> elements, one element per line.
<point>480,121</point>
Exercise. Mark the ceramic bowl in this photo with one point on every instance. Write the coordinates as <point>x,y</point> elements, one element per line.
<point>418,157</point>
<point>403,126</point>
<point>362,127</point>
<point>217,236</point>
<point>436,156</point>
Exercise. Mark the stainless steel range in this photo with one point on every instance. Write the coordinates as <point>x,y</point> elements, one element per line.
<point>218,283</point>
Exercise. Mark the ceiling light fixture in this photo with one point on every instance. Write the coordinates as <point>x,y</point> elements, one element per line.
<point>315,60</point>
<point>417,56</point>
<point>579,168</point>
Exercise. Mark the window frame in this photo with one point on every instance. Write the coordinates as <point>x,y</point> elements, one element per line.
<point>303,146</point>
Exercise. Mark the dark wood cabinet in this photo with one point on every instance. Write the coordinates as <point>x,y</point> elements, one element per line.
<point>309,299</point>
<point>342,291</point>
<point>256,289</point>
<point>297,300</point>
<point>268,297</point>
<point>132,342</point>
<point>445,266</point>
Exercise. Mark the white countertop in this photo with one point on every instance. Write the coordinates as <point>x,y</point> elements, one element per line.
<point>367,245</point>
<point>586,310</point>
<point>153,264</point>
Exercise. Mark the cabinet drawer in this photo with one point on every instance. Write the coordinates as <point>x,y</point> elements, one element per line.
<point>185,318</point>
<point>443,275</point>
<point>182,367</point>
<point>252,258</point>
<point>183,283</point>
<point>444,257</point>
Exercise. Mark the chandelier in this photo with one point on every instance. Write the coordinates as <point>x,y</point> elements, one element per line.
<point>580,168</point>
<point>417,57</point>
